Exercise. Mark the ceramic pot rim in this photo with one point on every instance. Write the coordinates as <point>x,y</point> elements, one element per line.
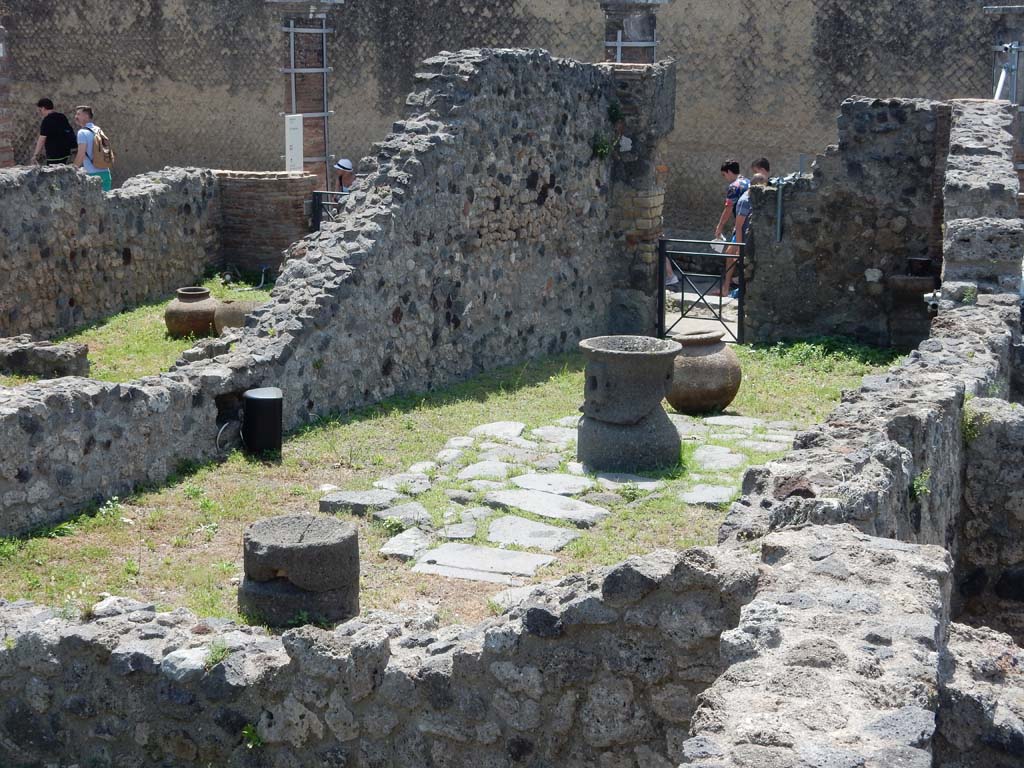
<point>193,292</point>
<point>699,338</point>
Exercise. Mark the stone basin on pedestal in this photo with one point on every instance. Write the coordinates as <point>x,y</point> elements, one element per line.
<point>624,427</point>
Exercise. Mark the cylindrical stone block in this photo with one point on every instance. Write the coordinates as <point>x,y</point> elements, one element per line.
<point>653,443</point>
<point>299,565</point>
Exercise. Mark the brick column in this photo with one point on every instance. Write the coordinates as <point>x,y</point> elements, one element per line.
<point>6,111</point>
<point>644,98</point>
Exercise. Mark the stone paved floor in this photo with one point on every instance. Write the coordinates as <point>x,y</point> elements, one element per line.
<point>522,496</point>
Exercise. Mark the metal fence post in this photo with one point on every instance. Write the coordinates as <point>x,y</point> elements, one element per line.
<point>661,288</point>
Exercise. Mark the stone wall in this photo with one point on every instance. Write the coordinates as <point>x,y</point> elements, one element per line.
<point>762,78</point>
<point>474,242</point>
<point>74,255</point>
<point>262,214</point>
<point>856,254</point>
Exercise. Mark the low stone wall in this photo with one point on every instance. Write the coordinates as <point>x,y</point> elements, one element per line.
<point>262,215</point>
<point>861,239</point>
<point>21,355</point>
<point>74,255</point>
<point>474,242</point>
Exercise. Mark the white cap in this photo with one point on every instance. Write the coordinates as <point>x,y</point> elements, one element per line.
<point>344,164</point>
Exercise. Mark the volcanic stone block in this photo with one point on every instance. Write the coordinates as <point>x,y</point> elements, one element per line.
<point>22,355</point>
<point>652,443</point>
<point>280,603</point>
<point>312,552</point>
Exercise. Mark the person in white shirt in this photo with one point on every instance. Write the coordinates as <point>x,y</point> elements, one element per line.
<point>87,130</point>
<point>346,174</point>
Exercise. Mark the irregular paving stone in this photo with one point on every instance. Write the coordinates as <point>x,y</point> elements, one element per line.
<point>458,495</point>
<point>328,488</point>
<point>779,437</point>
<point>561,484</point>
<point>423,467</point>
<point>761,446</point>
<point>458,531</point>
<point>413,483</point>
<point>483,486</point>
<point>499,429</point>
<point>708,494</point>
<point>476,513</point>
<point>687,426</point>
<point>526,533</point>
<point>506,453</point>
<point>459,443</point>
<point>548,505</point>
<point>569,421</point>
<point>466,561</point>
<point>560,436</point>
<point>358,502</point>
<point>409,515</point>
<point>745,422</point>
<point>613,481</point>
<point>448,455</point>
<point>602,498</point>
<point>788,426</point>
<point>407,545</point>
<point>575,468</point>
<point>312,552</point>
<point>486,470</point>
<point>715,457</point>
<point>548,463</point>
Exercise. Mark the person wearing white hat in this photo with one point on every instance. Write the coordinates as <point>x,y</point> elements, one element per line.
<point>346,174</point>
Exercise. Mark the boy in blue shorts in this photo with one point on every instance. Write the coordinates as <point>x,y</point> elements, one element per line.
<point>737,185</point>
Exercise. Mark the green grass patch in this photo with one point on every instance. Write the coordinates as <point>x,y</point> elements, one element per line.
<point>135,343</point>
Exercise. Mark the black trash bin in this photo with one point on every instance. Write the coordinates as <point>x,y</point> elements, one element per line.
<point>262,420</point>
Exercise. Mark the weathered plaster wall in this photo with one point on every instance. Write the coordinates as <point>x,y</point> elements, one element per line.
<point>72,254</point>
<point>475,242</point>
<point>761,78</point>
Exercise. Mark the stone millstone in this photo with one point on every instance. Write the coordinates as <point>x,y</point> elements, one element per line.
<point>313,553</point>
<point>280,603</point>
<point>653,443</point>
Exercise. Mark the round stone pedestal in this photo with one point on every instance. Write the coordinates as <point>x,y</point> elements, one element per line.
<point>652,443</point>
<point>300,568</point>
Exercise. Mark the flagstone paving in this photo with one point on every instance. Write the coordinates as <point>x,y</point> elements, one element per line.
<point>500,481</point>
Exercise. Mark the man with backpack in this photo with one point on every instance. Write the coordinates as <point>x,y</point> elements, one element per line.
<point>56,143</point>
<point>94,152</point>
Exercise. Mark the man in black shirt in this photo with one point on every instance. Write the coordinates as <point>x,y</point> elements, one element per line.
<point>56,143</point>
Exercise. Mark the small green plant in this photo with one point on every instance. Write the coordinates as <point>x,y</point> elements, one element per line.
<point>251,737</point>
<point>192,491</point>
<point>631,492</point>
<point>970,295</point>
<point>971,421</point>
<point>921,485</point>
<point>494,608</point>
<point>602,146</point>
<point>218,651</point>
<point>393,526</point>
<point>10,643</point>
<point>615,113</point>
<point>111,508</point>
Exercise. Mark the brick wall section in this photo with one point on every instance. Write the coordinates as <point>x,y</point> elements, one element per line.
<point>262,214</point>
<point>6,114</point>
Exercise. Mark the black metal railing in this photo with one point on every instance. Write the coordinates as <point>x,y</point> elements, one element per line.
<point>327,206</point>
<point>701,283</point>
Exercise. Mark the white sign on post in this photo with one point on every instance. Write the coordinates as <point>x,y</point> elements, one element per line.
<point>293,150</point>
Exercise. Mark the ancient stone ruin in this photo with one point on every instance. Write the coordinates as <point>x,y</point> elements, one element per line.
<point>863,606</point>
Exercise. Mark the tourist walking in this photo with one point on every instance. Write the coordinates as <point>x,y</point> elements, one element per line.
<point>736,186</point>
<point>56,143</point>
<point>94,152</point>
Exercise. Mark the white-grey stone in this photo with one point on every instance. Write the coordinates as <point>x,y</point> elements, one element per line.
<point>717,457</point>
<point>508,598</point>
<point>458,531</point>
<point>788,426</point>
<point>409,515</point>
<point>413,483</point>
<point>779,437</point>
<point>358,502</point>
<point>560,436</point>
<point>466,561</point>
<point>761,446</point>
<point>526,533</point>
<point>423,467</point>
<point>459,442</point>
<point>687,426</point>
<point>569,421</point>
<point>612,481</point>
<point>328,488</point>
<point>448,455</point>
<point>458,495</point>
<point>185,665</point>
<point>486,470</point>
<point>476,513</point>
<point>562,484</point>
<point>575,468</point>
<point>708,494</point>
<point>499,429</point>
<point>407,545</point>
<point>508,453</point>
<point>743,422</point>
<point>549,462</point>
<point>483,486</point>
<point>116,606</point>
<point>548,505</point>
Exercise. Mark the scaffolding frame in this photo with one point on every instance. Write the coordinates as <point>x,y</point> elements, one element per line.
<point>292,70</point>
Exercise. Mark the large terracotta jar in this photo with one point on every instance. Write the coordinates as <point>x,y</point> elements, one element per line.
<point>706,374</point>
<point>191,313</point>
<point>231,314</point>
